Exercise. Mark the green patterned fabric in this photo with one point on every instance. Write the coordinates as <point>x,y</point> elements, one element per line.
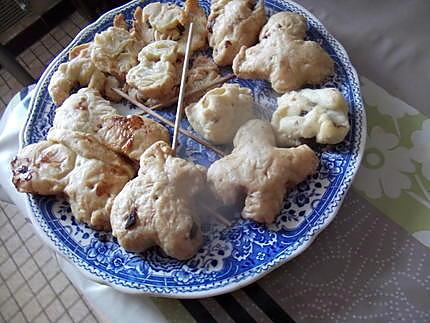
<point>395,172</point>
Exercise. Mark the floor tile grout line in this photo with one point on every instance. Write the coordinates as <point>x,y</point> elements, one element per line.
<point>40,315</point>
<point>34,293</point>
<point>37,57</point>
<point>22,225</point>
<point>7,218</point>
<point>66,32</point>
<point>33,234</point>
<point>82,319</point>
<point>58,273</point>
<point>7,84</point>
<point>88,314</point>
<point>43,44</point>
<point>32,255</point>
<point>18,288</point>
<point>13,251</point>
<point>25,281</point>
<point>40,289</point>
<point>16,314</point>
<point>32,258</point>
<point>20,309</point>
<point>8,237</point>
<point>46,278</point>
<point>1,315</point>
<point>76,25</point>
<point>75,301</point>
<point>29,288</point>
<point>55,38</point>
<point>24,63</point>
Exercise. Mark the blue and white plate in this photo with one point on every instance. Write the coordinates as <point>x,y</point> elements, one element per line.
<point>231,257</point>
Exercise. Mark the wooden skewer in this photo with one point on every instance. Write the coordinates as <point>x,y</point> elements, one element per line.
<point>169,123</point>
<point>217,81</point>
<point>215,214</point>
<point>179,112</point>
<point>180,107</point>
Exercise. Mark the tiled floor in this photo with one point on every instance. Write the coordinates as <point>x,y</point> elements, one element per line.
<point>32,286</point>
<point>39,55</point>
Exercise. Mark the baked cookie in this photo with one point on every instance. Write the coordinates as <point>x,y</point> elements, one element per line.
<point>130,135</point>
<point>283,57</point>
<point>76,165</point>
<point>220,112</point>
<point>158,207</point>
<point>87,112</point>
<point>167,21</point>
<point>321,114</point>
<point>79,70</point>
<point>115,50</point>
<point>157,73</point>
<point>233,24</point>
<point>259,172</point>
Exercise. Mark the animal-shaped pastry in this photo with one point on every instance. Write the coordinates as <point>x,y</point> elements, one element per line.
<point>79,70</point>
<point>100,65</point>
<point>193,13</point>
<point>166,21</point>
<point>158,207</point>
<point>82,111</point>
<point>73,164</point>
<point>321,113</point>
<point>260,172</point>
<point>203,71</point>
<point>233,24</point>
<point>220,112</point>
<point>283,57</point>
<point>115,50</point>
<point>157,73</point>
<point>86,111</point>
<point>130,135</point>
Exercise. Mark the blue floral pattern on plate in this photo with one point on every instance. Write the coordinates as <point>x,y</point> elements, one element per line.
<point>231,257</point>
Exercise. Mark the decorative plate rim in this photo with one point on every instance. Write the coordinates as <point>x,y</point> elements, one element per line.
<point>255,273</point>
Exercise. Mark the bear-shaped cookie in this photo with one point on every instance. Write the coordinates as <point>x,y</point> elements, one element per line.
<point>259,171</point>
<point>283,57</point>
<point>159,206</point>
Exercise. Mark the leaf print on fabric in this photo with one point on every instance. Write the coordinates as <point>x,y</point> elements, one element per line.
<point>384,165</point>
<point>420,151</point>
<point>385,103</point>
